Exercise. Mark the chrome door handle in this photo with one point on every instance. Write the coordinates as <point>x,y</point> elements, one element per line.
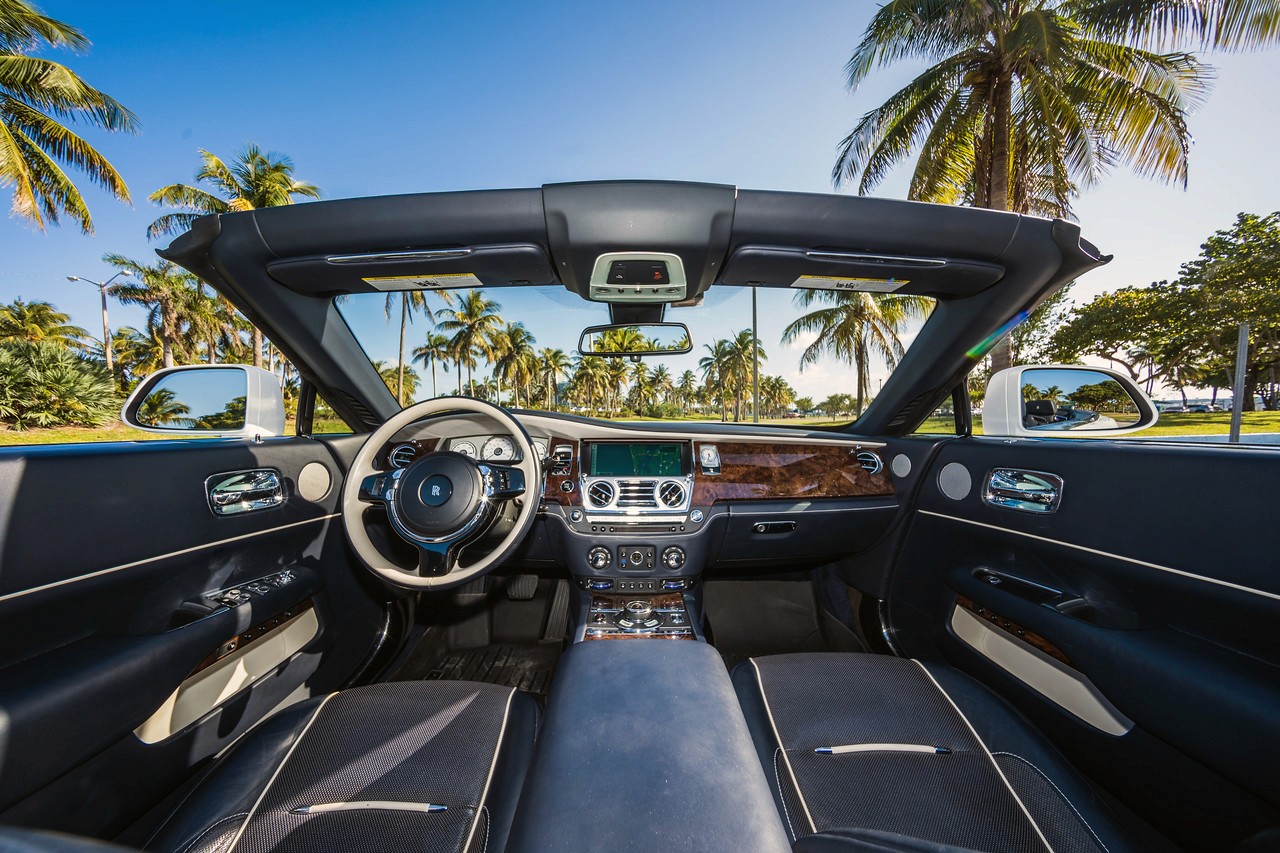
<point>236,492</point>
<point>1025,491</point>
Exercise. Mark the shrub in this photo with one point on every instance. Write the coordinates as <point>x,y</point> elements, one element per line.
<point>46,385</point>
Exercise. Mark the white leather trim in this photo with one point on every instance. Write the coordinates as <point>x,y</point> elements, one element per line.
<point>1060,684</point>
<point>258,802</point>
<point>813,827</point>
<point>210,687</point>
<point>987,752</point>
<point>1136,562</point>
<point>159,557</point>
<point>493,764</point>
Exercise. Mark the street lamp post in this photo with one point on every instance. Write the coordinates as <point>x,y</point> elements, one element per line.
<point>755,361</point>
<point>106,330</point>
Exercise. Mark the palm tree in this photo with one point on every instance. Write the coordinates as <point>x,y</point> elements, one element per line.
<point>411,302</point>
<point>164,288</point>
<point>739,366</point>
<point>661,381</point>
<point>473,322</point>
<point>138,353</point>
<point>36,96</point>
<point>716,376</point>
<point>38,321</point>
<point>854,327</point>
<point>162,407</point>
<point>514,359</point>
<point>254,179</point>
<point>590,380</point>
<point>1026,102</point>
<point>392,376</point>
<point>687,387</point>
<point>435,350</point>
<point>554,364</point>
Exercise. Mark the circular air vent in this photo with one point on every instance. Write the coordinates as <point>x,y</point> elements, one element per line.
<point>870,462</point>
<point>671,493</point>
<point>600,493</point>
<point>401,455</point>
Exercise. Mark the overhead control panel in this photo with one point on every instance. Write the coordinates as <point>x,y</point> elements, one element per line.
<point>638,277</point>
<point>624,235</point>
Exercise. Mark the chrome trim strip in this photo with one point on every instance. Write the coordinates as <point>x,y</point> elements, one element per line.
<point>493,764</point>
<point>987,751</point>
<point>1136,562</point>
<point>262,796</point>
<point>881,747</point>
<point>159,557</point>
<point>782,747</point>
<point>389,257</point>
<point>382,805</point>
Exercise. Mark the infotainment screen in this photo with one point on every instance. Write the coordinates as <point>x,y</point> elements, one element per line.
<point>637,460</point>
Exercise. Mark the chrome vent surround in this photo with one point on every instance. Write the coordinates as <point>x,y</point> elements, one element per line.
<point>869,462</point>
<point>401,455</point>
<point>637,494</point>
<point>600,493</point>
<point>671,494</point>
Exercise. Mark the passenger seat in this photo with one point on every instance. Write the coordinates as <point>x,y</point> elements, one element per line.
<point>880,745</point>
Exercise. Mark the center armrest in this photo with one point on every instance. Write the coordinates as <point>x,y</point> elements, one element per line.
<point>644,747</point>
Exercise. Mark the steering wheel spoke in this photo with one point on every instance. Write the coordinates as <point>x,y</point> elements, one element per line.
<point>436,560</point>
<point>502,482</point>
<point>374,489</point>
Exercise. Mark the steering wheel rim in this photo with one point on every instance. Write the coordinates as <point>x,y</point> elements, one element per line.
<point>355,499</point>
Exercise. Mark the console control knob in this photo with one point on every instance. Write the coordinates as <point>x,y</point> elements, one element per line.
<point>599,558</point>
<point>673,557</point>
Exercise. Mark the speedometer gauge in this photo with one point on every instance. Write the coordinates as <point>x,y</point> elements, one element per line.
<point>540,448</point>
<point>498,449</point>
<point>466,448</point>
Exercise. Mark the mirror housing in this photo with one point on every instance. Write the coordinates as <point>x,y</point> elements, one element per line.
<point>1006,410</point>
<point>206,400</point>
<point>648,339</point>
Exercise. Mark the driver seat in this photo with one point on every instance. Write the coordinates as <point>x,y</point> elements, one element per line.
<point>430,766</point>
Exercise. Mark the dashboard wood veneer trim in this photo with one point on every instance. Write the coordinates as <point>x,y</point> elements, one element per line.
<point>767,471</point>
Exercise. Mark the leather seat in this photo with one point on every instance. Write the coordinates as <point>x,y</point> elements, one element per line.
<point>914,751</point>
<point>358,770</point>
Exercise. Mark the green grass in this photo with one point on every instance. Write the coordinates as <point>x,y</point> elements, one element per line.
<point>1171,424</point>
<point>1174,424</point>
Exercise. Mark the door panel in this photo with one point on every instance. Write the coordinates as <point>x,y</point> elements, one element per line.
<point>1151,583</point>
<point>106,554</point>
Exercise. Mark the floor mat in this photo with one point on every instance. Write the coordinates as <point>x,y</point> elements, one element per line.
<point>757,617</point>
<point>525,667</point>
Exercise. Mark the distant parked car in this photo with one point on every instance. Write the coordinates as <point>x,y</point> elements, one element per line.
<point>1201,407</point>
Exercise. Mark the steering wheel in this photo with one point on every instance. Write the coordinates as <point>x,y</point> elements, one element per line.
<point>442,501</point>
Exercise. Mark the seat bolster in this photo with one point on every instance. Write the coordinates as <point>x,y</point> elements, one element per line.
<point>1022,753</point>
<point>869,841</point>
<point>515,753</point>
<point>234,781</point>
<point>747,687</point>
<point>15,840</point>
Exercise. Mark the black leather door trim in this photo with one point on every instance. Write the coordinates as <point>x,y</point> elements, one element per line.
<point>144,561</point>
<point>1134,561</point>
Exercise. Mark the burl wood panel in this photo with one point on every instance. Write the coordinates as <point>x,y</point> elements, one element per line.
<point>760,471</point>
<point>615,601</point>
<point>1014,629</point>
<point>551,493</point>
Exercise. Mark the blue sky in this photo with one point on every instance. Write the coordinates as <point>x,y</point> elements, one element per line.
<point>392,97</point>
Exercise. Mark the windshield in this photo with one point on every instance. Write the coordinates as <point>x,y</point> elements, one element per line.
<point>822,355</point>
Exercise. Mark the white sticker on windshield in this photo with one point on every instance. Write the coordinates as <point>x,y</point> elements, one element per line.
<point>827,282</point>
<point>424,282</point>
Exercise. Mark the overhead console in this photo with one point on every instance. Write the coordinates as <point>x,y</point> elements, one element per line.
<point>610,239</point>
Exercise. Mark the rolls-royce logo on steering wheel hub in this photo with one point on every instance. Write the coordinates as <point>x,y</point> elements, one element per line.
<point>436,490</point>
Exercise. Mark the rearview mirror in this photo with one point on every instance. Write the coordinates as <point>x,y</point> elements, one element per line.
<point>1064,400</point>
<point>635,340</point>
<point>223,400</point>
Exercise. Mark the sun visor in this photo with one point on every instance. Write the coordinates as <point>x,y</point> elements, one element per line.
<point>433,268</point>
<point>843,269</point>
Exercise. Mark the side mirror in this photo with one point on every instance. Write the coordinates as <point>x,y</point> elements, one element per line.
<point>215,400</point>
<point>1064,400</point>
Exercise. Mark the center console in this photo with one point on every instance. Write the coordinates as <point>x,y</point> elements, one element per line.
<point>622,617</point>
